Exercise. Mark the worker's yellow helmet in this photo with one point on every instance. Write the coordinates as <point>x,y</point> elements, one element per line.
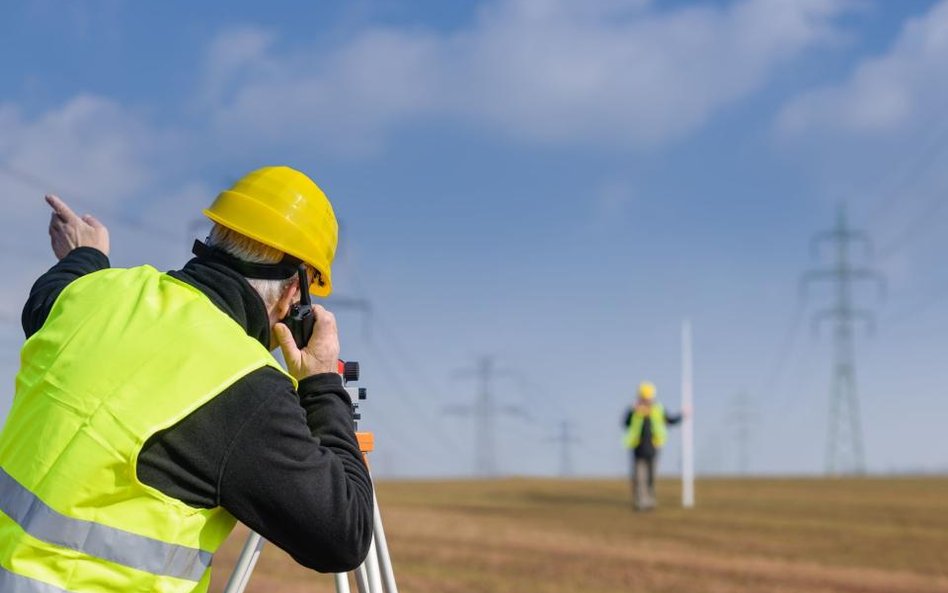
<point>284,209</point>
<point>646,390</point>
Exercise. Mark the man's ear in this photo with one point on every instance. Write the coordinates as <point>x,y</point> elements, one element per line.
<point>289,295</point>
<point>292,291</point>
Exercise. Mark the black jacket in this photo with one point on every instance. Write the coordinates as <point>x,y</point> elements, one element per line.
<point>284,462</point>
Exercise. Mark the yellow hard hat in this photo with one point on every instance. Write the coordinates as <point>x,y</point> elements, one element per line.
<point>285,209</point>
<point>646,390</point>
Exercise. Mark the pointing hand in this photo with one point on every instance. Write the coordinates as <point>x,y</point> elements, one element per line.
<point>68,231</point>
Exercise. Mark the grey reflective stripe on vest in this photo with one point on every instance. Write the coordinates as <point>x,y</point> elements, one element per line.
<point>115,545</point>
<point>15,583</point>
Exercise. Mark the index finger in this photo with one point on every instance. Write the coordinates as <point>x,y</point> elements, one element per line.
<point>60,208</point>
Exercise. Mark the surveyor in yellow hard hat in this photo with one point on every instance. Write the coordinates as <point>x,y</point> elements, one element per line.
<point>149,414</point>
<point>646,424</point>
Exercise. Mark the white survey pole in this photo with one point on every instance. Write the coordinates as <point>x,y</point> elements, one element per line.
<point>687,425</point>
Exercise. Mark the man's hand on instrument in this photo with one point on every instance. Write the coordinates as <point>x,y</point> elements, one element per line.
<point>68,231</point>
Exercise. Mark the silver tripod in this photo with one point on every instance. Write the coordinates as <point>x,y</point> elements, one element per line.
<point>375,574</point>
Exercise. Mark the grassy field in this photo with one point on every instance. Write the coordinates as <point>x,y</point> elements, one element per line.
<point>746,535</point>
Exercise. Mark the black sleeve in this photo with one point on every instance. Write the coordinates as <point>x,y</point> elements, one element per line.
<point>672,419</point>
<point>45,291</point>
<point>628,418</point>
<point>294,474</point>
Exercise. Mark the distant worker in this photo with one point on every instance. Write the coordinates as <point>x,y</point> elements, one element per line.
<point>645,424</point>
<point>150,415</point>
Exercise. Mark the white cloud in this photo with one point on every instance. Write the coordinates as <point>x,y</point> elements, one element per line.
<point>619,72</point>
<point>644,79</point>
<point>96,154</point>
<point>876,139</point>
<point>877,136</point>
<point>91,150</point>
<point>228,56</point>
<point>342,103</point>
<point>889,94</point>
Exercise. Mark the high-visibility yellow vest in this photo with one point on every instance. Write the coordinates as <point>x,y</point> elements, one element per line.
<point>659,430</point>
<point>122,355</point>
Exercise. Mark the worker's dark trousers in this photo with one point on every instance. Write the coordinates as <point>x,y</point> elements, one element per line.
<point>643,482</point>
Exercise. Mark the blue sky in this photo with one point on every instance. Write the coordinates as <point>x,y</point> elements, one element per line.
<point>554,184</point>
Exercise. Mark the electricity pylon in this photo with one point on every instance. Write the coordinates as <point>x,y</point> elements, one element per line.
<point>844,449</point>
<point>565,438</point>
<point>484,409</point>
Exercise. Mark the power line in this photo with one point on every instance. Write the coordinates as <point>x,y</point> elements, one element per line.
<point>408,395</point>
<point>742,416</point>
<point>915,227</point>
<point>417,372</point>
<point>919,307</point>
<point>34,181</point>
<point>802,363</point>
<point>784,356</point>
<point>844,428</point>
<point>528,391</point>
<point>432,428</point>
<point>381,327</point>
<point>785,349</point>
<point>910,171</point>
<point>543,409</point>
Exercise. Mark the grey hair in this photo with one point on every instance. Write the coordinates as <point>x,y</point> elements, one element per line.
<point>253,251</point>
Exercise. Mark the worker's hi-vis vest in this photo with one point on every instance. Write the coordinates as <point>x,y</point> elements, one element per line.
<point>659,431</point>
<point>122,355</point>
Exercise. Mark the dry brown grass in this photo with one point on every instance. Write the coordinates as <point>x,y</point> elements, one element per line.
<point>755,535</point>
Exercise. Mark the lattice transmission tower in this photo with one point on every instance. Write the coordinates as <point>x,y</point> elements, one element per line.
<point>485,410</point>
<point>844,446</point>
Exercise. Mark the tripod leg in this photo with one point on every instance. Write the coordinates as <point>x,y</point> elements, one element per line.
<point>385,561</point>
<point>245,563</point>
<point>342,582</point>
<point>370,571</point>
<point>362,580</point>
